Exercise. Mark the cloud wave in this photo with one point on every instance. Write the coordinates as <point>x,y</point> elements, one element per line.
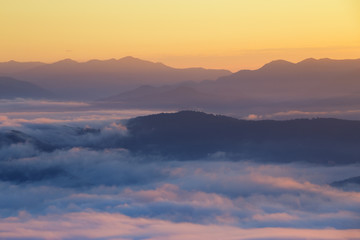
<point>71,179</point>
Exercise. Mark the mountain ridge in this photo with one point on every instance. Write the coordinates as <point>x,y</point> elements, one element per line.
<point>13,88</point>
<point>309,85</point>
<point>94,79</point>
<point>193,134</point>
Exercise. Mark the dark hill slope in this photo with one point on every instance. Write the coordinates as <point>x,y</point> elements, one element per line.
<point>189,134</point>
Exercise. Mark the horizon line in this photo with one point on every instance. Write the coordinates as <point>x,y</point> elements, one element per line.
<point>193,67</point>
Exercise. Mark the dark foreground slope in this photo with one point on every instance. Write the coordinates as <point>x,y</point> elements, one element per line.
<point>189,134</point>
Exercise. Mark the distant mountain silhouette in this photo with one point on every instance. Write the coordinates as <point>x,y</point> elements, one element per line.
<point>160,97</point>
<point>282,80</point>
<point>189,135</point>
<point>310,85</point>
<point>279,86</point>
<point>12,67</point>
<point>13,88</point>
<point>96,78</point>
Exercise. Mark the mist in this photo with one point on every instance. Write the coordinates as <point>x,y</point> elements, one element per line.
<point>71,176</point>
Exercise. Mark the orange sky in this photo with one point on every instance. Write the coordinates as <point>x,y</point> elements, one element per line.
<point>232,34</point>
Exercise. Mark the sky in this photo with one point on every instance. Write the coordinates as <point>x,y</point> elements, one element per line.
<point>230,34</point>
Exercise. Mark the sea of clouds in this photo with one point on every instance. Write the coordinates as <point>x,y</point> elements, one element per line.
<point>87,186</point>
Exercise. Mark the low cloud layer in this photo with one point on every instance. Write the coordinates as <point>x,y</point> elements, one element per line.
<point>353,114</point>
<point>59,180</point>
<point>95,225</point>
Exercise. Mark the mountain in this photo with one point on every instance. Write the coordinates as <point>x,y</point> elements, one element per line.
<point>96,79</point>
<point>160,97</point>
<point>12,66</point>
<point>279,86</point>
<point>312,85</point>
<point>192,135</point>
<point>13,88</point>
<point>281,80</point>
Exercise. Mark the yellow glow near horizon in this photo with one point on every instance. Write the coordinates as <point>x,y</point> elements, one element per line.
<point>229,34</point>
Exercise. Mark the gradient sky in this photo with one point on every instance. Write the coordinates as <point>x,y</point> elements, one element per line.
<point>232,34</point>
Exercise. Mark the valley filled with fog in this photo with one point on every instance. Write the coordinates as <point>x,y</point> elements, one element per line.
<point>79,175</point>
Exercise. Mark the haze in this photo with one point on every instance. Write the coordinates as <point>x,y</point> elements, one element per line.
<point>180,119</point>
